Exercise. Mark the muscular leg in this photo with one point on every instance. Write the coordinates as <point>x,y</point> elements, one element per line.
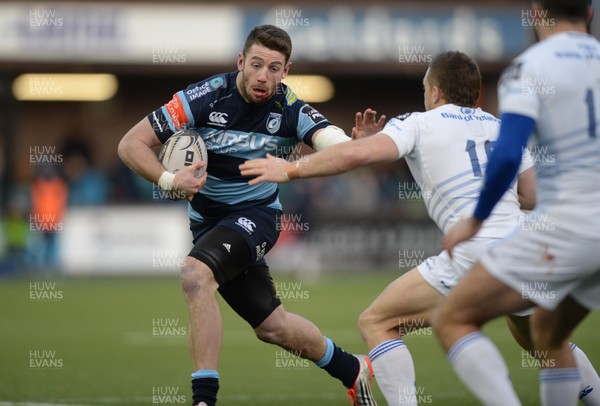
<point>589,390</point>
<point>206,327</point>
<point>559,378</point>
<point>403,305</point>
<point>297,334</point>
<point>473,356</point>
<point>407,302</point>
<point>519,328</point>
<point>293,333</point>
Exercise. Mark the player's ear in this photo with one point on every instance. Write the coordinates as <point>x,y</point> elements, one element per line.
<point>437,94</point>
<point>286,69</point>
<point>590,14</point>
<point>240,61</point>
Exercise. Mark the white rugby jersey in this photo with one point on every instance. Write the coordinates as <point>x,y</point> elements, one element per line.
<point>447,151</point>
<point>556,82</point>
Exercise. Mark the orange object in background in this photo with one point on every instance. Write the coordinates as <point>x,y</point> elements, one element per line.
<point>49,194</point>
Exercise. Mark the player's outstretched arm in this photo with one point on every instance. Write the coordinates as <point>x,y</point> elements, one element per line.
<point>367,124</point>
<point>333,160</point>
<point>135,150</point>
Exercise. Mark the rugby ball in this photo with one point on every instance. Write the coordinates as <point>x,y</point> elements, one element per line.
<point>182,149</point>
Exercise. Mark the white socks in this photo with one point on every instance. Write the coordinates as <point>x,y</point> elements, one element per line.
<point>480,366</point>
<point>395,373</point>
<point>589,391</point>
<point>559,386</point>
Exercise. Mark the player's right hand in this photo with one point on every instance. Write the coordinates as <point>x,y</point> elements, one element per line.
<point>269,169</point>
<point>463,230</point>
<point>186,181</point>
<point>367,125</point>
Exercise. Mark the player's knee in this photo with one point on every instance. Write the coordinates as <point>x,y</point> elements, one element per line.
<point>196,278</point>
<point>272,330</point>
<point>270,336</point>
<point>439,320</point>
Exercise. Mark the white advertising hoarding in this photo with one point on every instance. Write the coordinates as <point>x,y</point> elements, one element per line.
<point>125,240</point>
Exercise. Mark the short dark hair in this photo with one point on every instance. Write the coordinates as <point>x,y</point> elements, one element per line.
<point>271,37</point>
<point>458,76</point>
<point>571,10</point>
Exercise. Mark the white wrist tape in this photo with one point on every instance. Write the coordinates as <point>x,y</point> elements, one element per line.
<point>165,182</point>
<point>329,136</point>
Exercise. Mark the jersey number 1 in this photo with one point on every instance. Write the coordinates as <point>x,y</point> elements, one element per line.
<point>589,100</point>
<point>489,145</point>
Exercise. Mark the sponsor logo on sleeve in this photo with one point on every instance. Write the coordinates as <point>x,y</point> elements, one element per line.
<point>204,88</point>
<point>273,122</point>
<point>314,115</point>
<point>176,112</point>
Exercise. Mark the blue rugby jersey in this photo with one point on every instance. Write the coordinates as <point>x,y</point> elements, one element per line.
<point>235,131</point>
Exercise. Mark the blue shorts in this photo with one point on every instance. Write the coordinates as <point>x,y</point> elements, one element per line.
<point>234,248</point>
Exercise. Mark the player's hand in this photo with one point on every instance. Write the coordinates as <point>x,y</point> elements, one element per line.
<point>185,180</point>
<point>269,169</point>
<point>366,124</point>
<point>461,231</point>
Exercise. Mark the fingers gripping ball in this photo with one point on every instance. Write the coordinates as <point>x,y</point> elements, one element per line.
<point>184,148</point>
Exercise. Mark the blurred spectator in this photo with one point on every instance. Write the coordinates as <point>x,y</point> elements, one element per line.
<point>16,230</point>
<point>49,193</point>
<point>87,185</point>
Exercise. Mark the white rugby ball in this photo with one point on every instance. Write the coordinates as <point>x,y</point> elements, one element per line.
<point>182,149</point>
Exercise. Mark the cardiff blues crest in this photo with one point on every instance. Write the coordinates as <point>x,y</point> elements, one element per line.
<point>273,122</point>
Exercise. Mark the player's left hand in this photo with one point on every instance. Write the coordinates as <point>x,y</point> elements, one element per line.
<point>269,169</point>
<point>367,124</point>
<point>461,231</point>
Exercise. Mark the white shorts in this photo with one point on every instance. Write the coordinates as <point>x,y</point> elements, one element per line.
<point>443,272</point>
<point>546,263</point>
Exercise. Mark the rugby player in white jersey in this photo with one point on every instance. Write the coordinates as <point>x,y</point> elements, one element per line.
<point>446,149</point>
<point>553,91</point>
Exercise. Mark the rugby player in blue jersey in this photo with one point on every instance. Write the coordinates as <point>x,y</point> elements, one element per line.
<point>241,115</point>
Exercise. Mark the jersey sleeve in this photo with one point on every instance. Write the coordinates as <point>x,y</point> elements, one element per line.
<point>309,121</point>
<point>184,109</point>
<point>403,131</point>
<point>519,89</point>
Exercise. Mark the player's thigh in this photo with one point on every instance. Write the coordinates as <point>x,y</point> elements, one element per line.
<point>480,297</point>
<point>229,246</point>
<point>252,294</point>
<point>224,251</point>
<point>407,300</point>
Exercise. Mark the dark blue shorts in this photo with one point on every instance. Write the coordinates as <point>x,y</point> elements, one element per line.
<point>234,248</point>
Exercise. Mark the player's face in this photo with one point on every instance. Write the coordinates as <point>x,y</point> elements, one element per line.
<point>261,70</point>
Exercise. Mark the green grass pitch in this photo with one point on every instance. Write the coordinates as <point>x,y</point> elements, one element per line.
<point>122,341</point>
